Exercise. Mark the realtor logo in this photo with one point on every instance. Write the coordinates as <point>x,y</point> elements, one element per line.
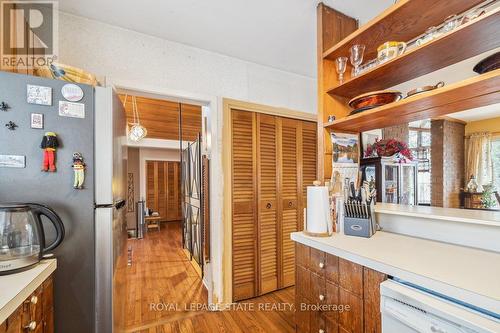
<point>28,33</point>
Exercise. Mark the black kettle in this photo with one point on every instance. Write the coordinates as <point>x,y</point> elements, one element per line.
<point>22,238</point>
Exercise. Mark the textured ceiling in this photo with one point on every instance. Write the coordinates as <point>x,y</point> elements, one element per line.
<point>275,33</point>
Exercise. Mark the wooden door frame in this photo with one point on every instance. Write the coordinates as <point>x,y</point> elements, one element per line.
<point>228,106</point>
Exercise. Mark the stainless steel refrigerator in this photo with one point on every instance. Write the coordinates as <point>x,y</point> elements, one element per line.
<point>90,275</point>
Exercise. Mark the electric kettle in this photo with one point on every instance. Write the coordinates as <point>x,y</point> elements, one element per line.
<point>22,238</point>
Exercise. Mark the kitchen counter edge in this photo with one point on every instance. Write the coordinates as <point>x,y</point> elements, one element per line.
<point>17,287</point>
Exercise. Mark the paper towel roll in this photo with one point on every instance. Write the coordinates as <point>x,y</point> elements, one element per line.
<point>318,210</point>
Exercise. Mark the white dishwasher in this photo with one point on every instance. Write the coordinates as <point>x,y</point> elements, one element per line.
<point>408,310</point>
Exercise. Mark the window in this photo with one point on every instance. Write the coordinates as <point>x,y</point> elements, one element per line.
<point>495,157</point>
<point>420,144</point>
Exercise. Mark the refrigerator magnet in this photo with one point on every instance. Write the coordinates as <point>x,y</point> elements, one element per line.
<point>49,145</point>
<point>70,109</point>
<point>36,121</point>
<point>78,171</point>
<point>12,161</point>
<point>72,92</point>
<point>4,107</point>
<point>11,125</point>
<point>39,95</point>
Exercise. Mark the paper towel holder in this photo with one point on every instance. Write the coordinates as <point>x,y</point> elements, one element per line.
<point>314,234</point>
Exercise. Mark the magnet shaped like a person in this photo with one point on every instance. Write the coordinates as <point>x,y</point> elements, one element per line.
<point>78,170</point>
<point>49,145</point>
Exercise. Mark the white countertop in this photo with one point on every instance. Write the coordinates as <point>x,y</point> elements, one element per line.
<point>15,288</point>
<point>439,213</point>
<point>466,274</point>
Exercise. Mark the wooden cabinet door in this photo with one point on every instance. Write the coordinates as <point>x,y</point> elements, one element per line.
<point>289,189</point>
<point>309,144</point>
<point>173,184</point>
<point>163,186</point>
<point>267,184</point>
<point>371,295</point>
<point>244,205</point>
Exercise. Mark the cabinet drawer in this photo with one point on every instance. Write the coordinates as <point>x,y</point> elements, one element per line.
<point>48,296</point>
<point>14,322</point>
<point>302,314</point>
<point>332,301</point>
<point>332,268</point>
<point>303,281</point>
<point>352,320</point>
<point>351,277</point>
<point>317,291</point>
<point>317,263</point>
<point>302,256</point>
<point>322,324</point>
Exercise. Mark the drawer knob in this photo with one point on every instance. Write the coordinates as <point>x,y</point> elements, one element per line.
<point>34,299</point>
<point>321,265</point>
<point>268,206</point>
<point>321,297</point>
<point>31,326</point>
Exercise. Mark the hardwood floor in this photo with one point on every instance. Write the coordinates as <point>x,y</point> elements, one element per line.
<point>163,288</point>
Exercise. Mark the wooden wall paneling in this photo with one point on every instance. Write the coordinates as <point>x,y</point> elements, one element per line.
<point>332,27</point>
<point>244,206</point>
<point>161,118</point>
<point>290,147</point>
<point>267,183</point>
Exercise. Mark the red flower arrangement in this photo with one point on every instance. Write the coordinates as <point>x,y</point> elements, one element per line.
<point>388,148</point>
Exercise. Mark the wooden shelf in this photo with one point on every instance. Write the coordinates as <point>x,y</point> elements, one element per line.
<point>471,93</point>
<point>466,41</point>
<point>402,21</point>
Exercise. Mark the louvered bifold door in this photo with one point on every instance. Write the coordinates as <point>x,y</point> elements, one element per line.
<point>244,205</point>
<point>309,156</point>
<point>289,196</point>
<point>268,226</point>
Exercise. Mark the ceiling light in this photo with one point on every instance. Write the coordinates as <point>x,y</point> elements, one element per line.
<point>136,132</point>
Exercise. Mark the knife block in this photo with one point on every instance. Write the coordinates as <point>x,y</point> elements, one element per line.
<point>359,226</point>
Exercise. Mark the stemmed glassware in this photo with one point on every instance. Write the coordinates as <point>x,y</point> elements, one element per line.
<point>340,66</point>
<point>356,58</point>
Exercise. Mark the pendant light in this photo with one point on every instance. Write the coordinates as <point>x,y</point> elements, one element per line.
<point>136,132</point>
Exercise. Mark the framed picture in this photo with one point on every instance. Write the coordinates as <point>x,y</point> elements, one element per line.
<point>345,148</point>
<point>369,138</point>
<point>39,95</point>
<point>37,120</point>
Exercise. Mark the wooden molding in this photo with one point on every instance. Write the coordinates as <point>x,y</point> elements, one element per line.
<point>266,109</point>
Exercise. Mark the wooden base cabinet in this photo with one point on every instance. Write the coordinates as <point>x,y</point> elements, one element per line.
<point>335,295</point>
<point>36,314</point>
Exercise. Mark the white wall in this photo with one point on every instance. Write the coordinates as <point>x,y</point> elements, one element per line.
<point>133,59</point>
<point>136,61</point>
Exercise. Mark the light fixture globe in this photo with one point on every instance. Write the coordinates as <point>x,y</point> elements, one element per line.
<point>137,132</point>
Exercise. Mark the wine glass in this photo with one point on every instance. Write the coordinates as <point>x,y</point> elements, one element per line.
<point>340,66</point>
<point>356,58</point>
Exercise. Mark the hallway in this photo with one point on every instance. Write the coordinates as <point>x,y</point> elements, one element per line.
<point>162,284</point>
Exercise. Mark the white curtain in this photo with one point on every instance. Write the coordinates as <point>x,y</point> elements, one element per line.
<point>478,158</point>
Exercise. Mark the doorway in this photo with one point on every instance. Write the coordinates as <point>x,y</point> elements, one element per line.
<point>162,269</point>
